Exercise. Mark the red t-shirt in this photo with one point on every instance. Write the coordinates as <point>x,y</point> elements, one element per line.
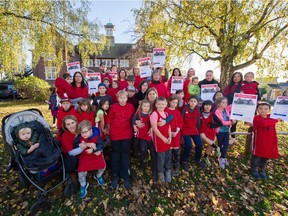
<point>120,120</point>
<point>86,116</point>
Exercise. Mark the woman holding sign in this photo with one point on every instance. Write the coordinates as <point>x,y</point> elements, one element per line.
<point>175,73</point>
<point>209,79</point>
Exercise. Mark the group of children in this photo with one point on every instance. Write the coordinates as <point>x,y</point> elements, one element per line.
<point>158,123</point>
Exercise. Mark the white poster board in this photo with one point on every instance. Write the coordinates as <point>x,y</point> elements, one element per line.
<point>280,109</point>
<point>208,91</point>
<point>176,84</point>
<point>114,75</point>
<point>93,81</point>
<point>73,67</point>
<point>243,107</point>
<point>144,66</point>
<point>159,57</point>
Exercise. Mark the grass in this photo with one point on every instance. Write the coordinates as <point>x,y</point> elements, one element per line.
<point>211,192</point>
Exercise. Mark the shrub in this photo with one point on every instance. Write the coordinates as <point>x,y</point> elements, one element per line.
<point>33,88</point>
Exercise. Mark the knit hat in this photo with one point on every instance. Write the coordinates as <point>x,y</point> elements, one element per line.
<point>65,100</point>
<point>102,84</point>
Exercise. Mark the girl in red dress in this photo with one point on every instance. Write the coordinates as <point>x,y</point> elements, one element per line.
<point>176,125</point>
<point>85,112</point>
<point>162,138</point>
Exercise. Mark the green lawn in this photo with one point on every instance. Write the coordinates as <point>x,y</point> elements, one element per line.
<point>211,192</point>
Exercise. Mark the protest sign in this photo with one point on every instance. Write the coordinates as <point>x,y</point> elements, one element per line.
<point>208,91</point>
<point>73,67</point>
<point>243,107</point>
<point>280,109</point>
<point>93,81</point>
<point>159,57</point>
<point>176,83</point>
<point>144,66</point>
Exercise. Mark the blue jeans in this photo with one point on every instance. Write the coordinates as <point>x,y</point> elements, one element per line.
<point>223,143</point>
<point>188,147</point>
<point>120,158</point>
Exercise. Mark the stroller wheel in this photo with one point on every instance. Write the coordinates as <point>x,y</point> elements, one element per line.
<point>41,205</point>
<point>22,180</point>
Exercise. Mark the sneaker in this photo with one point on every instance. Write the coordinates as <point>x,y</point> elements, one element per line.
<point>217,151</point>
<point>206,160</point>
<point>127,184</point>
<point>255,174</point>
<point>185,166</point>
<point>201,165</point>
<point>114,184</point>
<point>226,162</point>
<point>221,162</point>
<point>100,180</point>
<point>262,174</point>
<point>83,190</point>
<point>232,141</point>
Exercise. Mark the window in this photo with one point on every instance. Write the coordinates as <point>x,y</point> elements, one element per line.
<point>124,63</point>
<point>115,62</point>
<point>108,62</point>
<point>97,62</point>
<point>50,73</point>
<point>90,63</point>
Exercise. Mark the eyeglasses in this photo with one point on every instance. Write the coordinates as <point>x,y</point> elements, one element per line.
<point>83,132</point>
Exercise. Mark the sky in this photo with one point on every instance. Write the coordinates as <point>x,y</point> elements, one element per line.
<point>119,13</point>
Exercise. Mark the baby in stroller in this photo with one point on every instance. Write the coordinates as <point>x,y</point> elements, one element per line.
<point>33,145</point>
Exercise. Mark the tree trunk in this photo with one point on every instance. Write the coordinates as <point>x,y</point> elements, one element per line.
<point>226,72</point>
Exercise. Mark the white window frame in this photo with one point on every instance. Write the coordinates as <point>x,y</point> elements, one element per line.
<point>50,73</point>
<point>115,62</point>
<point>97,62</point>
<point>124,63</point>
<point>108,62</point>
<point>90,63</point>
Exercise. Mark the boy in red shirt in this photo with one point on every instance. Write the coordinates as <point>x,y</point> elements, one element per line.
<point>249,86</point>
<point>120,129</point>
<point>265,143</point>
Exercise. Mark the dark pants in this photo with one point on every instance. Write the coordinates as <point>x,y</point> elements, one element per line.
<point>258,163</point>
<point>144,146</point>
<point>188,147</point>
<point>233,129</point>
<point>175,161</point>
<point>120,158</point>
<point>163,161</point>
<point>70,163</point>
<point>223,143</point>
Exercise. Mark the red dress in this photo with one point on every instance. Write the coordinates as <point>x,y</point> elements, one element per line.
<point>120,120</point>
<point>210,133</point>
<point>89,162</point>
<point>265,143</point>
<point>160,146</point>
<point>177,122</point>
<point>86,116</point>
<point>143,132</point>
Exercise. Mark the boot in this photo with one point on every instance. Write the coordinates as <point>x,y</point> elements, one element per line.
<point>168,176</point>
<point>161,177</point>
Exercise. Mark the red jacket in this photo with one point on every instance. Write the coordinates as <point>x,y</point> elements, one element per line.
<point>120,120</point>
<point>64,89</point>
<point>86,116</point>
<point>265,143</point>
<point>191,121</point>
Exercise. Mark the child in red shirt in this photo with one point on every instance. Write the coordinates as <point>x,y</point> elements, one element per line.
<point>249,86</point>
<point>85,112</point>
<point>265,142</point>
<point>176,125</point>
<point>119,127</point>
<point>162,138</point>
<point>66,109</point>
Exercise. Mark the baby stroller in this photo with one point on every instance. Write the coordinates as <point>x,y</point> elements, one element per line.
<point>52,171</point>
